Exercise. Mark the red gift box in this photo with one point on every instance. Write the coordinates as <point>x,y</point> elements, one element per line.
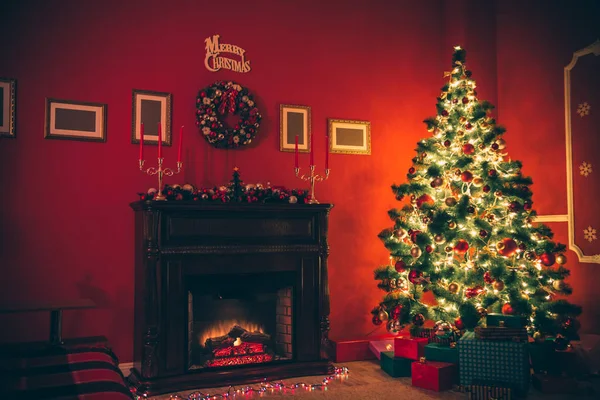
<point>434,375</point>
<point>379,346</point>
<point>412,348</point>
<point>351,350</point>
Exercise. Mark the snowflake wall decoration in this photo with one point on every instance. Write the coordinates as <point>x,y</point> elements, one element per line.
<point>583,109</point>
<point>589,234</point>
<point>585,168</point>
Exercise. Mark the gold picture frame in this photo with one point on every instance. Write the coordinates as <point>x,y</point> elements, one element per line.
<point>8,107</point>
<point>294,121</point>
<point>151,108</point>
<point>349,136</point>
<point>75,120</point>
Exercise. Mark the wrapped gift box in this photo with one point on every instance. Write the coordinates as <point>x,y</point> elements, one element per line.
<point>546,360</point>
<point>439,352</point>
<point>493,363</point>
<point>379,346</point>
<point>501,333</point>
<point>413,348</point>
<point>507,321</point>
<point>434,375</point>
<point>430,335</point>
<point>554,384</point>
<point>395,366</point>
<point>351,350</point>
<point>480,392</point>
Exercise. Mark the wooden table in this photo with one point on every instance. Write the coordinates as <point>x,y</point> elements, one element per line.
<point>56,308</point>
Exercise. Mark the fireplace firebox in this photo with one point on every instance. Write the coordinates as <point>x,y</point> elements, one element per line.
<point>229,294</point>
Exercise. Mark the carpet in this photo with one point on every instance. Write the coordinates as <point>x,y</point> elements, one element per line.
<point>365,381</point>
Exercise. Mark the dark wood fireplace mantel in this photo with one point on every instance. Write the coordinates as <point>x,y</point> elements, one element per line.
<point>179,241</point>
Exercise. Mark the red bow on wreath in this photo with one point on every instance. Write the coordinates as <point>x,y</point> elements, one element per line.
<point>228,99</point>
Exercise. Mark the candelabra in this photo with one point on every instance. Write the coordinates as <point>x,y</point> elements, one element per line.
<point>312,179</point>
<point>160,171</point>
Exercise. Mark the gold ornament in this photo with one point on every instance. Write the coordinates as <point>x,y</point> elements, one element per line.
<point>460,133</point>
<point>482,312</point>
<point>394,327</point>
<point>498,285</point>
<point>477,182</point>
<point>383,315</point>
<point>452,225</point>
<point>498,193</point>
<point>481,146</point>
<point>501,144</point>
<point>561,259</point>
<point>558,285</point>
<point>462,120</point>
<point>457,172</point>
<point>415,252</point>
<point>450,201</point>
<point>400,233</point>
<point>500,245</point>
<point>439,239</point>
<point>449,249</point>
<point>453,287</point>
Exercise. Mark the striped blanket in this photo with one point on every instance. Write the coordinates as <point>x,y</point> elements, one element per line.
<point>76,374</point>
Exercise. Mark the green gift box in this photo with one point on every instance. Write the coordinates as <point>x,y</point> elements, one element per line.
<point>507,321</point>
<point>395,366</point>
<point>498,363</point>
<point>438,352</point>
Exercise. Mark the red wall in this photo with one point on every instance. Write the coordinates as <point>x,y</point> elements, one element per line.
<point>67,230</point>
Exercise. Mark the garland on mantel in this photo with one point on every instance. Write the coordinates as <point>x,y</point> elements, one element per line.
<point>236,191</point>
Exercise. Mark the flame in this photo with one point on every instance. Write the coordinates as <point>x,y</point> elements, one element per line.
<point>220,328</point>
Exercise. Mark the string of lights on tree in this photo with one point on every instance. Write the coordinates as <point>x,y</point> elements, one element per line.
<point>262,388</point>
<point>467,232</point>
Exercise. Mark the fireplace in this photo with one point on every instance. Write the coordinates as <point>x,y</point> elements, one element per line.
<point>229,294</point>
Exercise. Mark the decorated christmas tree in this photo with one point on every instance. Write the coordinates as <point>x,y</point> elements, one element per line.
<point>466,231</point>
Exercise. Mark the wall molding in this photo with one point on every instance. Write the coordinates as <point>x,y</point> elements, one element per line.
<point>552,218</point>
<point>594,48</point>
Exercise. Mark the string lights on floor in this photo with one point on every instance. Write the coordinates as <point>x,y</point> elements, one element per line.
<point>263,388</point>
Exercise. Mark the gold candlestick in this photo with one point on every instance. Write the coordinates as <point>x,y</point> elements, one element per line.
<point>160,171</point>
<point>312,179</point>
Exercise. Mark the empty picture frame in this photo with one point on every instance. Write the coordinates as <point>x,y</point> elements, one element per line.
<point>8,107</point>
<point>349,137</point>
<point>151,108</point>
<point>75,120</point>
<point>294,121</point>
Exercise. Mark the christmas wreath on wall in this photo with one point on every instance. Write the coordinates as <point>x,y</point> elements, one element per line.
<point>219,99</point>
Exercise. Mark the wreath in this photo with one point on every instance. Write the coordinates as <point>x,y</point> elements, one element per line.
<point>219,99</point>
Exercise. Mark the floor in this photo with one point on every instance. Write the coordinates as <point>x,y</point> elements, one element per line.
<point>365,380</point>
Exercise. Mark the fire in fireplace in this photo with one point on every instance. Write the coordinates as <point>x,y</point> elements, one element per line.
<point>248,321</point>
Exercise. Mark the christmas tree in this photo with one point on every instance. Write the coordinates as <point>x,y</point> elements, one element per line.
<point>467,232</point>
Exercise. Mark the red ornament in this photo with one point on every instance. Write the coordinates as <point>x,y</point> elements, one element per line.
<point>459,324</point>
<point>411,170</point>
<point>424,199</point>
<point>447,143</point>
<point>376,320</point>
<point>466,176</point>
<point>465,100</point>
<point>495,146</point>
<point>527,205</point>
<point>396,312</point>
<point>514,206</point>
<point>474,291</point>
<point>507,309</point>
<point>487,278</point>
<point>444,113</point>
<point>483,233</point>
<point>413,235</point>
<point>486,189</point>
<point>468,149</point>
<point>507,247</point>
<point>492,173</point>
<point>461,247</point>
<point>415,276</point>
<point>468,126</point>
<point>548,259</point>
<point>400,266</point>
